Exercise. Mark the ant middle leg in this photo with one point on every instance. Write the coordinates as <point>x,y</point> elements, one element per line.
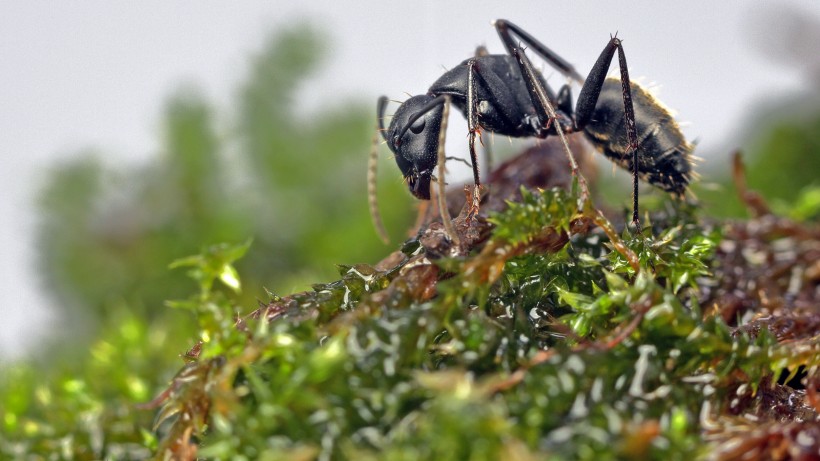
<point>543,105</point>
<point>444,212</point>
<point>540,93</point>
<point>541,101</point>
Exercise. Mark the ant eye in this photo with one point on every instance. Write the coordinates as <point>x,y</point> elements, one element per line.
<point>396,141</point>
<point>418,127</point>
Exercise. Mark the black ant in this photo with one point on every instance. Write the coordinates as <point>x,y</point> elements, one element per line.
<point>504,94</point>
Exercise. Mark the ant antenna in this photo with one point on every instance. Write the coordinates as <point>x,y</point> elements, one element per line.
<point>372,169</point>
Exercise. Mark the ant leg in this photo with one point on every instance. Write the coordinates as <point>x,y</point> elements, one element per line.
<point>473,128</point>
<point>372,170</point>
<point>544,107</point>
<point>488,152</point>
<point>506,30</point>
<point>442,195</point>
<point>538,94</point>
<point>588,98</point>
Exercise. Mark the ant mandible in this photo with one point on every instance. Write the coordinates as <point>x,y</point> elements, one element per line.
<point>504,94</point>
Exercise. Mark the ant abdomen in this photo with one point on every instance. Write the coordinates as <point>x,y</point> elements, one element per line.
<point>664,155</point>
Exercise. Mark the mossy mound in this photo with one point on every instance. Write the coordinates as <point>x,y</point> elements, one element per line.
<point>543,334</point>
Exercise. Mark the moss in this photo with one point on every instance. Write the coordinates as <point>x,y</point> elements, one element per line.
<point>533,339</point>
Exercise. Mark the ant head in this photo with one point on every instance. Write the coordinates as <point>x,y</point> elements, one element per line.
<point>413,137</point>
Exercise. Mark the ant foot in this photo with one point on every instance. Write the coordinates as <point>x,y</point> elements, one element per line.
<point>474,201</point>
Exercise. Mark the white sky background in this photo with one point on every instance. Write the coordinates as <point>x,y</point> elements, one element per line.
<point>96,74</point>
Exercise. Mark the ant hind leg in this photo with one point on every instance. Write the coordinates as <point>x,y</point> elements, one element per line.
<point>588,98</point>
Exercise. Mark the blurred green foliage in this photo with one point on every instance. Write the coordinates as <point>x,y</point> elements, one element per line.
<point>80,408</point>
<point>784,165</point>
<point>784,160</point>
<point>779,147</point>
<point>295,184</point>
<point>292,183</point>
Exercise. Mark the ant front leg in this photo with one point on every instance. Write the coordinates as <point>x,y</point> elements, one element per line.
<point>488,152</point>
<point>443,210</point>
<point>588,98</point>
<point>474,129</point>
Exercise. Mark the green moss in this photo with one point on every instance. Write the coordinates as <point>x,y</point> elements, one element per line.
<point>564,353</point>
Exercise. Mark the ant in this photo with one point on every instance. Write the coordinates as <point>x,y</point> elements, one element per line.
<point>504,94</point>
